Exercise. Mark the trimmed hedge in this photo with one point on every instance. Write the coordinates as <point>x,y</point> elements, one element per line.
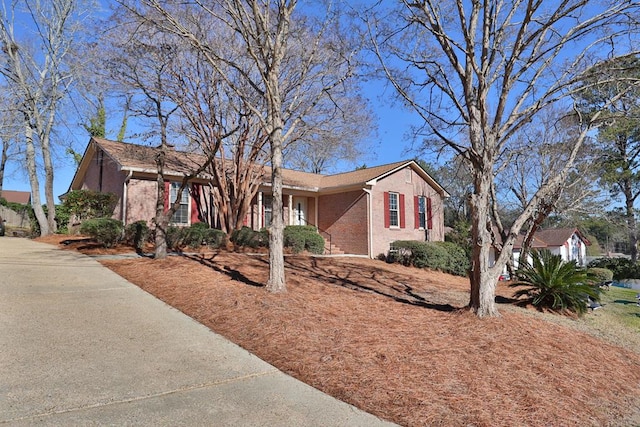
<point>599,275</point>
<point>200,234</point>
<point>195,236</point>
<point>137,234</point>
<point>303,237</point>
<point>249,237</point>
<point>106,231</point>
<point>622,268</point>
<point>444,256</point>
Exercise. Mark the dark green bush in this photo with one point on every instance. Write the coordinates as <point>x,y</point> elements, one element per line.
<point>137,234</point>
<point>193,236</point>
<point>303,237</point>
<point>552,283</point>
<point>599,275</point>
<point>200,234</point>
<point>175,237</point>
<point>106,231</point>
<point>215,238</point>
<point>88,204</point>
<point>622,268</point>
<point>249,237</point>
<point>444,256</point>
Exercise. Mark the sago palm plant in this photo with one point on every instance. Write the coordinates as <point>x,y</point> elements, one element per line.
<point>552,283</point>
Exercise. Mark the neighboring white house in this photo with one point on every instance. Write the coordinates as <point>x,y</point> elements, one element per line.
<point>569,243</point>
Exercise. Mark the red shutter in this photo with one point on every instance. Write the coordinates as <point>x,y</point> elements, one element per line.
<point>429,222</point>
<point>386,210</point>
<point>416,211</point>
<point>195,194</point>
<point>167,194</point>
<point>402,223</point>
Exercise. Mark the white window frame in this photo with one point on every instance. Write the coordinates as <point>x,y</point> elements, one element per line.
<point>267,210</point>
<point>184,203</point>
<point>394,198</point>
<point>422,212</point>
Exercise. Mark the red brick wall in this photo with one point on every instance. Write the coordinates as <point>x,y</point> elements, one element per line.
<point>344,216</point>
<point>408,183</point>
<point>103,175</point>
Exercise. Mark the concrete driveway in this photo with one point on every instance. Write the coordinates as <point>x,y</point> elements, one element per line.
<point>81,346</point>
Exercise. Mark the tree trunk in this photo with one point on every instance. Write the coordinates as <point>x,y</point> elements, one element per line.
<point>161,220</point>
<point>276,281</point>
<point>3,162</point>
<point>32,171</point>
<point>483,277</point>
<point>48,187</point>
<point>631,221</point>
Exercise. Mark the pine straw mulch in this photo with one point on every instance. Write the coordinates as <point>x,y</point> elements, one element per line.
<point>395,341</point>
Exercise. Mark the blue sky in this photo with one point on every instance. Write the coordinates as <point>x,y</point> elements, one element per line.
<point>391,143</point>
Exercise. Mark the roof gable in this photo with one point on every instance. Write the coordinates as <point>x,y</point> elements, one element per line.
<point>552,237</point>
<point>140,158</point>
<point>21,197</point>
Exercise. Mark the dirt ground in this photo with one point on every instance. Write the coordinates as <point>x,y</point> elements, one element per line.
<point>397,342</point>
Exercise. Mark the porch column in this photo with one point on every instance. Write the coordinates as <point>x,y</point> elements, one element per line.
<point>316,213</point>
<point>259,213</point>
<point>290,209</point>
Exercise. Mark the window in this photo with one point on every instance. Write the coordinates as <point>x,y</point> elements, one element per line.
<point>267,206</point>
<point>422,212</point>
<point>181,216</point>
<point>393,210</point>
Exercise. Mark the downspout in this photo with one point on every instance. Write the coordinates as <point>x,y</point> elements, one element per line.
<point>369,222</point>
<point>123,209</point>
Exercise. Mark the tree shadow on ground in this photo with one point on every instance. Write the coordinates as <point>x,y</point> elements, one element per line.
<point>225,269</point>
<point>375,281</point>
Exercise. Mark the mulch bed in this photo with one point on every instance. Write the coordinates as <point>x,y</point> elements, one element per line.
<point>397,341</point>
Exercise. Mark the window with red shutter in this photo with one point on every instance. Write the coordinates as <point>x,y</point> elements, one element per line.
<point>402,209</point>
<point>387,219</point>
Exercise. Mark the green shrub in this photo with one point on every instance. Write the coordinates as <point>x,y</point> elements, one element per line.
<point>215,238</point>
<point>251,238</point>
<point>622,268</point>
<point>599,275</point>
<point>552,283</point>
<point>444,256</point>
<point>88,204</point>
<point>106,231</point>
<point>200,234</point>
<point>137,234</point>
<point>193,236</point>
<point>175,237</point>
<point>303,237</point>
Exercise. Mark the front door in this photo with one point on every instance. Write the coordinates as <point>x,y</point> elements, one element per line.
<point>299,211</point>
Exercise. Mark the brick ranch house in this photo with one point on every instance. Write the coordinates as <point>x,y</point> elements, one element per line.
<point>359,212</point>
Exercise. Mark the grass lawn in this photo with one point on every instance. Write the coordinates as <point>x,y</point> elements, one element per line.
<point>619,317</point>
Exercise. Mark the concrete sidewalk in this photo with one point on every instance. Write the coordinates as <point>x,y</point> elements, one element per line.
<point>81,346</point>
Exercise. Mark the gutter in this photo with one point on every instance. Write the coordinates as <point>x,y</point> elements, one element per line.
<point>370,222</point>
<point>125,186</point>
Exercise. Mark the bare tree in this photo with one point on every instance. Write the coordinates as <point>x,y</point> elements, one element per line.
<point>38,78</point>
<point>477,72</point>
<point>9,132</point>
<point>283,63</point>
<point>146,63</point>
<point>339,131</point>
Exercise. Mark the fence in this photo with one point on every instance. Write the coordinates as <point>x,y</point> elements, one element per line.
<point>14,219</point>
